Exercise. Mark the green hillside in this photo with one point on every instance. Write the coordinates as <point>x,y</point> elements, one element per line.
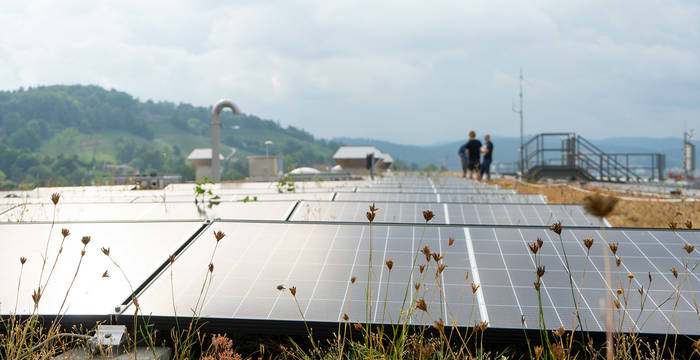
<point>73,135</point>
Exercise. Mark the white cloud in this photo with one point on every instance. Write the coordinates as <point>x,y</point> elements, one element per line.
<point>405,71</point>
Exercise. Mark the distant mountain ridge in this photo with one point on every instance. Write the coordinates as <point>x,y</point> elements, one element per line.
<point>506,149</point>
<point>75,134</point>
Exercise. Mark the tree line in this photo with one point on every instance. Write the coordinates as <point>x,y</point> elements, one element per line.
<point>38,125</point>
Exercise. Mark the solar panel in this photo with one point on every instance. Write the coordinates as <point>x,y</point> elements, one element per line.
<point>319,259</point>
<point>453,213</point>
<point>287,196</point>
<point>264,187</point>
<point>253,210</point>
<point>392,212</point>
<point>393,190</point>
<point>495,198</point>
<point>139,248</point>
<point>428,186</point>
<point>507,276</point>
<point>71,198</point>
<point>441,197</point>
<point>520,214</point>
<point>326,242</point>
<point>370,197</point>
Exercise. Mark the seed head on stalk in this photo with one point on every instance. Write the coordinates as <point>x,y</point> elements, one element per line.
<point>599,205</point>
<point>556,227</point>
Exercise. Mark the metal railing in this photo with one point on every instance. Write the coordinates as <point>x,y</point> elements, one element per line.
<point>571,151</point>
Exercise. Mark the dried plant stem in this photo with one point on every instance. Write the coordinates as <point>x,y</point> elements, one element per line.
<point>123,274</point>
<point>308,331</point>
<point>386,296</point>
<point>46,249</point>
<point>19,282</point>
<point>413,266</point>
<point>368,293</point>
<point>75,275</point>
<point>207,276</point>
<point>172,297</point>
<point>609,321</point>
<point>578,301</point>
<point>53,267</point>
<point>544,335</point>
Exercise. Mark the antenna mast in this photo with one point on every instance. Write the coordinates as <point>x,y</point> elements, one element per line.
<point>520,112</point>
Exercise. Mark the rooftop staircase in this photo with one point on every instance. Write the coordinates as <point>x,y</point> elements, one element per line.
<point>572,157</point>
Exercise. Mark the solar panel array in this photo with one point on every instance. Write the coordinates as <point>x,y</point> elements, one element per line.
<point>446,213</point>
<point>317,238</point>
<point>441,197</point>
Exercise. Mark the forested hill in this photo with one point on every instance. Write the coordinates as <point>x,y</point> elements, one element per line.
<point>72,135</point>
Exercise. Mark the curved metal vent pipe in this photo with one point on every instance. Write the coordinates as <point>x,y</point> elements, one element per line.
<point>216,135</point>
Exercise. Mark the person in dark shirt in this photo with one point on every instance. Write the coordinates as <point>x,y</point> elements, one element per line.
<point>473,150</point>
<point>462,152</point>
<point>488,153</point>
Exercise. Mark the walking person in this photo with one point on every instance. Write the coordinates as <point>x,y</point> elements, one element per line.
<point>462,152</point>
<point>488,153</point>
<point>473,150</point>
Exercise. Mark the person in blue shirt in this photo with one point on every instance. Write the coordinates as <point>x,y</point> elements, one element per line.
<point>462,152</point>
<point>486,162</point>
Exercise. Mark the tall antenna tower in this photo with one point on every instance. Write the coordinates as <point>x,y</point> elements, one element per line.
<point>688,154</point>
<point>520,112</point>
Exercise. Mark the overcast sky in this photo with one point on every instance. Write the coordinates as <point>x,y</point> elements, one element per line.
<point>402,71</point>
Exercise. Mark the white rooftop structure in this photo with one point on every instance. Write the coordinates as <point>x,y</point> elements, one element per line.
<point>202,154</point>
<point>353,159</point>
<point>386,158</point>
<point>304,170</point>
<point>201,159</point>
<point>355,152</point>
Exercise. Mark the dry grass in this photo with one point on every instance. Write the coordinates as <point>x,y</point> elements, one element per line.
<point>627,213</point>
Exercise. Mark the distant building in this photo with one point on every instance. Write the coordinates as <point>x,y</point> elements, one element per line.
<point>322,167</point>
<point>263,166</point>
<point>353,159</point>
<point>387,161</point>
<point>201,159</point>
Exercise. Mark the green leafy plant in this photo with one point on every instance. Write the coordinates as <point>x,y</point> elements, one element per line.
<point>203,193</point>
<point>286,184</point>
